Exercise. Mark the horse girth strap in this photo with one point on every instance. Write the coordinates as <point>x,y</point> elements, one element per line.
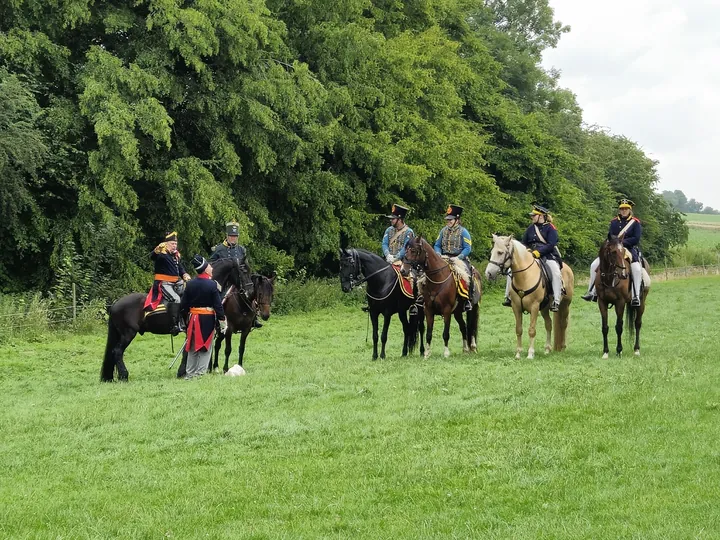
<point>523,293</point>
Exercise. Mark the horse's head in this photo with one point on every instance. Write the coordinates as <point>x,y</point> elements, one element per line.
<point>264,290</point>
<point>612,255</point>
<point>350,269</point>
<point>501,256</point>
<point>233,272</point>
<point>415,256</point>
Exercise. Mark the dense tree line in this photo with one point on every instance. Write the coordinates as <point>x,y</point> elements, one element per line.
<point>679,201</point>
<point>303,120</point>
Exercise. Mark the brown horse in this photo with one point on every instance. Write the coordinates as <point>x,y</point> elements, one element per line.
<point>240,314</point>
<point>613,286</point>
<point>440,293</point>
<point>530,293</point>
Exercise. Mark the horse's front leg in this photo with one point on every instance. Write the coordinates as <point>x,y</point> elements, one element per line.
<point>374,319</point>
<point>228,349</point>
<point>429,322</point>
<point>517,310</point>
<point>458,314</point>
<point>532,331</point>
<point>241,351</point>
<point>548,330</point>
<point>619,312</point>
<point>406,331</point>
<point>602,305</point>
<point>387,317</point>
<point>447,317</point>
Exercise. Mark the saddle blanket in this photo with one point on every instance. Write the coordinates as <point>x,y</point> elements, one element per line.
<point>462,280</point>
<point>405,284</point>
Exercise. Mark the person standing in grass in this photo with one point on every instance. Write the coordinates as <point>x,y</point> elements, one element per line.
<point>202,303</point>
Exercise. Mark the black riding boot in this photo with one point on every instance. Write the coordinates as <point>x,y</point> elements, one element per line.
<point>257,323</point>
<point>173,308</point>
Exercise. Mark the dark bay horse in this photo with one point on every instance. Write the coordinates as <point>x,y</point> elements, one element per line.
<point>384,296</point>
<point>441,296</point>
<point>613,286</point>
<point>240,313</point>
<point>127,318</point>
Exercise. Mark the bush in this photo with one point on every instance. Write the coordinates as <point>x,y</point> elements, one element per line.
<point>303,294</point>
<point>24,316</point>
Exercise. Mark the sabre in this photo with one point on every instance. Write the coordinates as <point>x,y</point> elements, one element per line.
<point>182,348</point>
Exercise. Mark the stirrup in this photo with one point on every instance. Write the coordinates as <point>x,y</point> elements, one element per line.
<point>555,306</point>
<point>366,309</point>
<point>635,302</point>
<point>256,323</point>
<point>413,309</point>
<point>468,306</point>
<point>507,302</point>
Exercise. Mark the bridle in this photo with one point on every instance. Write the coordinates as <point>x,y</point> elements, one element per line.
<point>505,266</point>
<point>420,265</point>
<point>357,270</point>
<point>612,267</point>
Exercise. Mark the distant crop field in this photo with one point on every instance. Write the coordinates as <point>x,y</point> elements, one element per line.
<point>703,219</point>
<point>704,230</point>
<point>318,441</point>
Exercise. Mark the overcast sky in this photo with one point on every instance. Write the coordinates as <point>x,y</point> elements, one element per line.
<point>650,70</point>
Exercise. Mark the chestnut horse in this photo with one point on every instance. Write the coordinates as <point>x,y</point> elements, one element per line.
<point>440,293</point>
<point>530,292</point>
<point>613,286</point>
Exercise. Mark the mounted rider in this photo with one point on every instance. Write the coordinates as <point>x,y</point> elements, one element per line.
<point>541,238</point>
<point>170,278</point>
<point>230,249</point>
<point>454,241</point>
<point>397,235</point>
<point>628,229</point>
<point>201,303</point>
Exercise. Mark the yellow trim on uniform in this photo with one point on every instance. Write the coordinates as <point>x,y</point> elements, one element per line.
<point>537,213</point>
<point>467,241</point>
<point>174,233</point>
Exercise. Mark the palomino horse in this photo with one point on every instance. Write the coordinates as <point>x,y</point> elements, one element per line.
<point>440,293</point>
<point>127,318</point>
<point>613,286</point>
<point>384,295</point>
<point>530,292</point>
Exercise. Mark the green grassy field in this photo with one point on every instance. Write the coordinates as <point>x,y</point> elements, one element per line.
<point>704,218</point>
<point>317,441</point>
<point>704,231</point>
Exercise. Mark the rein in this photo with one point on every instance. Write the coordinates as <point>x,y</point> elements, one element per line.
<point>358,271</point>
<point>612,270</point>
<point>505,270</point>
<point>423,266</point>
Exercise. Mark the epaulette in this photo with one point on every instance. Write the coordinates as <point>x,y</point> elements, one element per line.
<point>614,219</point>
<point>553,226</point>
<point>636,219</point>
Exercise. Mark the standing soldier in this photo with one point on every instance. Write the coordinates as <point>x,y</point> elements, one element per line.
<point>169,276</point>
<point>454,241</point>
<point>202,303</point>
<point>628,229</point>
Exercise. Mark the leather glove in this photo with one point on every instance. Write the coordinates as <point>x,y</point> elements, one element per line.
<point>186,276</point>
<point>160,248</point>
<point>536,254</point>
<point>389,258</point>
<point>223,326</point>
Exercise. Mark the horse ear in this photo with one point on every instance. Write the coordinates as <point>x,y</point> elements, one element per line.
<point>272,277</point>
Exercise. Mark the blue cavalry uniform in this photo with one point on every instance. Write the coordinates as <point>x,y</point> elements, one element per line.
<point>542,239</point>
<point>201,303</point>
<point>229,248</point>
<point>631,238</point>
<point>169,273</point>
<point>455,241</point>
<point>395,239</point>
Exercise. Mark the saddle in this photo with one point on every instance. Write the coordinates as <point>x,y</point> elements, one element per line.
<point>459,270</point>
<point>406,285</point>
<point>547,283</point>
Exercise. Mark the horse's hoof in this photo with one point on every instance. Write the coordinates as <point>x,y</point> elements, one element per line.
<point>427,354</point>
<point>605,356</point>
<point>517,356</point>
<point>637,353</point>
<point>531,356</point>
<point>547,351</point>
<point>446,354</point>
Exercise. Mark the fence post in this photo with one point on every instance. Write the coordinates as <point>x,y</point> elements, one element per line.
<point>74,302</point>
<point>666,273</point>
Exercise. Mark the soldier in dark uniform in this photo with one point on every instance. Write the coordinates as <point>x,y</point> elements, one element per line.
<point>201,302</point>
<point>629,229</point>
<point>230,249</point>
<point>542,239</point>
<point>454,241</point>
<point>169,280</point>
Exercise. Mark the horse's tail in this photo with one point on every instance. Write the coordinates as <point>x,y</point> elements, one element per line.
<point>415,326</point>
<point>107,371</point>
<point>630,314</point>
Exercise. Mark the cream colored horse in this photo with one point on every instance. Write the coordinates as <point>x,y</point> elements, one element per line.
<point>528,291</point>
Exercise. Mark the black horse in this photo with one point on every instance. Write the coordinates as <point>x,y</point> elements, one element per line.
<point>127,317</point>
<point>384,296</point>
